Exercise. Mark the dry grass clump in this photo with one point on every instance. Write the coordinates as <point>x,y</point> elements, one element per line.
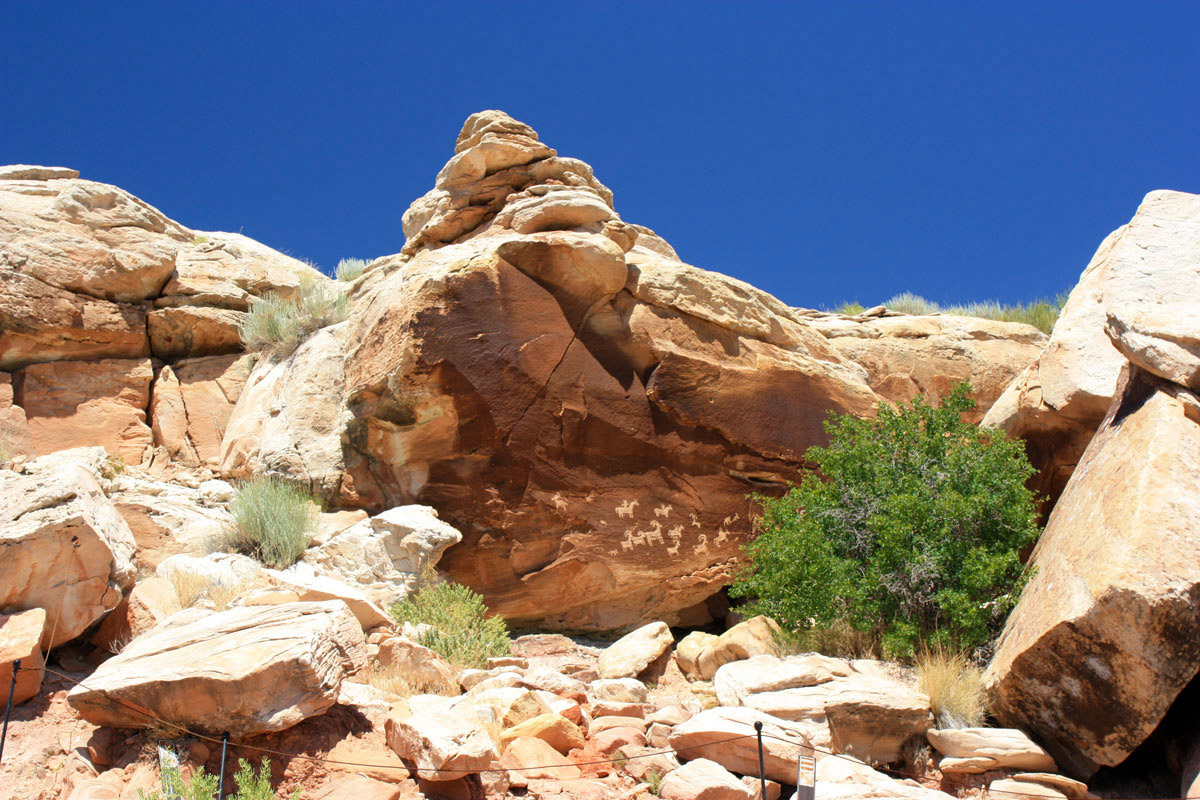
<point>955,688</point>
<point>276,326</point>
<point>1041,314</point>
<point>194,588</point>
<point>393,680</point>
<point>349,269</point>
<point>272,520</point>
<point>838,639</point>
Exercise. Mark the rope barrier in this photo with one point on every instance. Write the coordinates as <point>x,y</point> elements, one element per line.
<point>224,740</point>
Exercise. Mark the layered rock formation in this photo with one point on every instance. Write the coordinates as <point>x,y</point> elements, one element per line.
<point>93,283</point>
<point>1058,402</point>
<point>590,411</point>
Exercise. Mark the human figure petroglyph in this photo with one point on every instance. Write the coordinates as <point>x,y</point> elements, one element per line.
<point>676,533</point>
<point>664,510</point>
<point>626,508</point>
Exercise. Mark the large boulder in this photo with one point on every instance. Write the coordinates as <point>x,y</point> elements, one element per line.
<point>702,779</point>
<point>1058,402</point>
<point>632,653</point>
<point>191,403</point>
<point>441,741</point>
<point>1107,632</point>
<point>844,778</point>
<point>66,549</point>
<point>244,671</point>
<point>727,736</point>
<point>754,637</point>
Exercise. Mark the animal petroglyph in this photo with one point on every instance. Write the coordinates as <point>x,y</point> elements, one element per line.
<point>732,518</point>
<point>559,503</point>
<point>664,510</point>
<point>702,547</point>
<point>673,549</point>
<point>654,534</point>
<point>695,520</point>
<point>722,535</point>
<point>676,533</point>
<point>626,508</point>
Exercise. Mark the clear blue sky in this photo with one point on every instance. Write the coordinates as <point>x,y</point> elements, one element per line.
<point>821,151</point>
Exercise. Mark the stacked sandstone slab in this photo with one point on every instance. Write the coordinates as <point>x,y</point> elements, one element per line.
<point>589,410</point>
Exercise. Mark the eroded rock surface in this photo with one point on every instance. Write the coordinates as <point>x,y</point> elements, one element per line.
<point>1059,401</point>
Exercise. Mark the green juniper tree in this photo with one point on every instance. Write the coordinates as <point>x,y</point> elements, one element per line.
<point>912,533</point>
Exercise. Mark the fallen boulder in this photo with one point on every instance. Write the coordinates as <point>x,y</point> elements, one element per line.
<point>727,736</point>
<point>244,671</point>
<point>66,549</point>
<point>440,742</point>
<point>702,779</point>
<point>1107,632</point>
<point>634,652</point>
<point>20,640</point>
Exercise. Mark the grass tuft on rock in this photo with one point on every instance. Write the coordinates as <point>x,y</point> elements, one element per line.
<point>462,630</point>
<point>349,269</point>
<point>272,520</point>
<point>1041,314</point>
<point>955,687</point>
<point>276,326</point>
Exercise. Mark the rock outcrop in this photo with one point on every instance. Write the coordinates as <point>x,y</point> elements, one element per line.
<point>1058,402</point>
<point>65,548</point>
<point>93,282</point>
<point>244,671</point>
<point>1107,632</point>
<point>910,356</point>
<point>587,409</point>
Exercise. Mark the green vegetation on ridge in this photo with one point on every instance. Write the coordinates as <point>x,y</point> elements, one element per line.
<point>1041,313</point>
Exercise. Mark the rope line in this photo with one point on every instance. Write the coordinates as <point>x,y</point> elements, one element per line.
<point>596,762</point>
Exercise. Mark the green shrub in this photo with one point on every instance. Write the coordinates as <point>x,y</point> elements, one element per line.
<point>462,631</point>
<point>913,535</point>
<point>272,520</point>
<point>252,786</point>
<point>350,268</point>
<point>276,326</point>
<point>202,786</point>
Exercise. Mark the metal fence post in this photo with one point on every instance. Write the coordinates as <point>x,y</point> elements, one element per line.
<point>762,769</point>
<point>221,782</point>
<point>16,667</point>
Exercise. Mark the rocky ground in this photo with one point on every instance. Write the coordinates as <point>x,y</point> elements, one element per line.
<point>544,403</point>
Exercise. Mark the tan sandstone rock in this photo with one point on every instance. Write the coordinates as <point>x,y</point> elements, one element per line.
<point>188,331</point>
<point>14,427</point>
<point>66,549</point>
<point>245,670</point>
<point>754,637</point>
<point>688,651</point>
<point>1058,402</point>
<point>151,601</point>
<point>85,403</point>
<point>421,667</point>
<point>557,731</point>
<point>21,640</point>
<point>534,759</point>
<point>191,403</point>
<point>848,778</point>
<point>702,779</point>
<point>1107,632</point>
<point>910,356</point>
<point>632,653</point>
<point>727,736</point>
<point>1162,339</point>
<point>973,750</point>
<point>441,744</point>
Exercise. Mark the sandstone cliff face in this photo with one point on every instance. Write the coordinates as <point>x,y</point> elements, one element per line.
<point>94,283</point>
<point>589,410</point>
<point>1057,404</point>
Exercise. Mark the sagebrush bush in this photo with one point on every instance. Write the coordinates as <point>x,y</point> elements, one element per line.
<point>350,268</point>
<point>461,629</point>
<point>954,684</point>
<point>909,303</point>
<point>251,784</point>
<point>272,520</point>
<point>276,326</point>
<point>850,309</point>
<point>912,533</point>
